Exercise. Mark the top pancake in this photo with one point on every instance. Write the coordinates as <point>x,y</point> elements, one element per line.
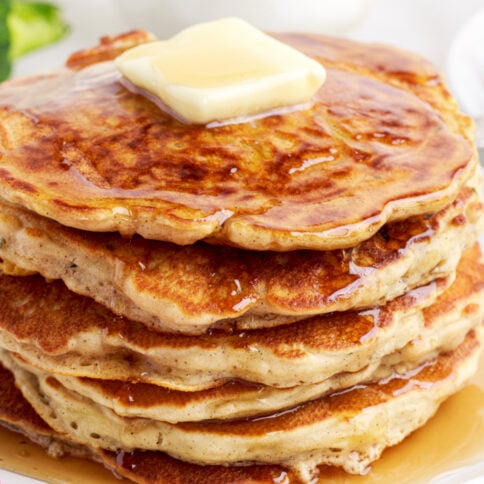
<point>382,141</point>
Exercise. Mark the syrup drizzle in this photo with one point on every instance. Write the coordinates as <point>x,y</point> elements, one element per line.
<point>451,442</point>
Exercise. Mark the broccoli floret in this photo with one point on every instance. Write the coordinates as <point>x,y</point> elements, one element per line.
<point>26,26</point>
<point>5,64</point>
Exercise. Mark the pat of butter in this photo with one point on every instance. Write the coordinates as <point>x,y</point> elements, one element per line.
<point>220,70</point>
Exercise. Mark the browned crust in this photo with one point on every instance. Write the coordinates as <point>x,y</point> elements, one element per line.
<point>369,150</point>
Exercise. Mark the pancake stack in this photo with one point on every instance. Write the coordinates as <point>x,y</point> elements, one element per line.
<point>236,302</point>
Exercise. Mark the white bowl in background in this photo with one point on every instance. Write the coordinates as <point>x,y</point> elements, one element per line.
<point>167,17</point>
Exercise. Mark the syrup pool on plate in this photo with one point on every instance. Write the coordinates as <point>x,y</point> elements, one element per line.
<point>448,449</point>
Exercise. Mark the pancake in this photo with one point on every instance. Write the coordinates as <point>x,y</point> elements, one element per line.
<point>139,466</point>
<point>349,428</point>
<point>61,332</point>
<point>446,323</point>
<point>189,289</point>
<point>369,150</point>
<point>150,467</point>
<point>240,302</point>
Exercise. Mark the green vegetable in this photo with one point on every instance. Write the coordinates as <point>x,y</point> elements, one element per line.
<point>5,64</point>
<point>26,26</point>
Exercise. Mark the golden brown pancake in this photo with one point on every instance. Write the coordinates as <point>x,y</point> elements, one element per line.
<point>313,321</point>
<point>445,324</point>
<point>439,327</point>
<point>382,141</point>
<point>349,428</point>
<point>158,468</point>
<point>57,329</point>
<point>187,289</point>
<point>61,332</point>
<point>151,467</point>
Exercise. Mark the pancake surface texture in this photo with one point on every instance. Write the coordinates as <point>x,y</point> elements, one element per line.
<point>242,302</point>
<point>360,421</point>
<point>187,289</point>
<point>369,150</point>
<point>81,338</point>
<point>337,355</point>
<point>440,327</point>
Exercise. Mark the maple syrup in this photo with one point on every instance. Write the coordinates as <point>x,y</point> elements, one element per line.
<point>452,441</point>
<point>368,149</point>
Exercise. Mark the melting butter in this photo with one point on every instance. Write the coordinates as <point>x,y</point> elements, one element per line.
<point>220,70</point>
